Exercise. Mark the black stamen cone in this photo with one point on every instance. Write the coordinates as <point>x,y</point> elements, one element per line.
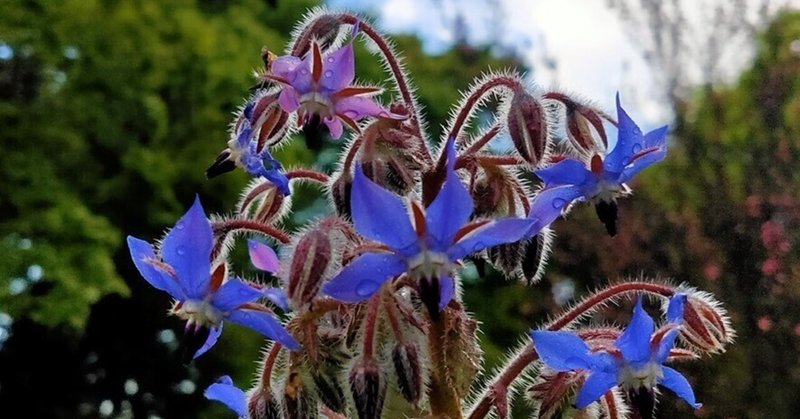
<point>607,212</point>
<point>191,342</point>
<point>221,165</point>
<point>429,290</point>
<point>314,130</point>
<point>643,401</point>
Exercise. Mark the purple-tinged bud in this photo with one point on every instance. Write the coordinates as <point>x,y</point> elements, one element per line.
<point>527,125</point>
<point>341,189</point>
<point>552,390</point>
<point>271,206</point>
<point>298,403</point>
<point>368,387</point>
<point>261,404</point>
<point>535,255</point>
<point>324,29</point>
<point>706,325</point>
<point>311,258</point>
<point>270,121</point>
<point>580,120</point>
<point>409,371</point>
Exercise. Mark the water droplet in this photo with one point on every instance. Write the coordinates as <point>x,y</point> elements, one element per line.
<point>478,247</point>
<point>304,71</point>
<point>329,74</point>
<point>636,148</point>
<point>366,288</point>
<point>559,203</point>
<point>330,59</point>
<point>181,251</point>
<point>180,225</point>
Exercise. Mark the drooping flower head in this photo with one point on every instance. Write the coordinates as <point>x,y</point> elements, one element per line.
<point>604,180</point>
<point>320,88</point>
<point>424,243</point>
<point>635,362</point>
<point>204,298</point>
<point>245,151</point>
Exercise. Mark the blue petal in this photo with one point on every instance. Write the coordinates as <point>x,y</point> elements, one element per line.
<point>675,308</point>
<point>211,340</point>
<point>451,208</point>
<point>565,172</point>
<point>447,288</point>
<point>666,345</point>
<point>629,137</point>
<point>141,252</point>
<point>562,351</point>
<point>381,215</point>
<point>506,230</point>
<point>243,140</point>
<point>548,205</point>
<point>187,248</point>
<point>364,276</point>
<point>676,382</point>
<point>232,294</point>
<point>634,343</point>
<point>596,385</point>
<point>277,296</point>
<point>266,324</point>
<point>273,171</point>
<point>653,156</point>
<point>225,392</point>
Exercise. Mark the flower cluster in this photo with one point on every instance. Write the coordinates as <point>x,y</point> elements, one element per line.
<point>373,322</point>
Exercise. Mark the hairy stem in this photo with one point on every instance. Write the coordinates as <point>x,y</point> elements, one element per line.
<point>444,401</point>
<point>489,85</point>
<point>222,228</point>
<point>308,174</point>
<point>370,325</point>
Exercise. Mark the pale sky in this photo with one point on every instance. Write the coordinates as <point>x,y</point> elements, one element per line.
<point>595,57</point>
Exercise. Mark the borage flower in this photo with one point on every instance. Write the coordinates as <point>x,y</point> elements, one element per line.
<point>604,181</point>
<point>320,88</point>
<point>635,362</point>
<point>204,299</point>
<point>243,151</point>
<point>427,248</point>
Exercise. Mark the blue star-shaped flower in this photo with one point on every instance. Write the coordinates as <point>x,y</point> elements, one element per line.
<point>204,300</point>
<point>427,248</point>
<point>635,362</point>
<point>604,181</point>
<point>243,152</point>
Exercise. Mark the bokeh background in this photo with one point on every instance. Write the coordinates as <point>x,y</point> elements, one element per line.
<point>110,111</point>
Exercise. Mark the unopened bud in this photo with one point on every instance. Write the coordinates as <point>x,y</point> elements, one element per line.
<point>298,402</point>
<point>271,206</point>
<point>262,405</point>
<point>527,125</point>
<point>368,386</point>
<point>341,188</point>
<point>324,30</point>
<point>329,391</point>
<point>535,255</point>
<point>580,121</point>
<point>312,254</point>
<point>270,121</point>
<point>552,391</point>
<point>408,369</point>
<point>706,325</point>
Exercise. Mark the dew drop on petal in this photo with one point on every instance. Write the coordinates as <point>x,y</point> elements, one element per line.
<point>304,71</point>
<point>636,148</point>
<point>330,59</point>
<point>181,251</point>
<point>329,74</point>
<point>180,226</point>
<point>559,203</point>
<point>366,288</point>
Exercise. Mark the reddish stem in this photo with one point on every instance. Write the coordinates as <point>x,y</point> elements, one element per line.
<point>503,381</point>
<point>269,364</point>
<point>391,312</point>
<point>370,325</point>
<point>254,193</point>
<point>308,174</point>
<point>477,94</point>
<point>481,142</point>
<point>222,228</point>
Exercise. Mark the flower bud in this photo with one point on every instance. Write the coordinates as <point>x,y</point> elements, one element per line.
<point>329,391</point>
<point>341,188</point>
<point>270,121</point>
<point>324,29</point>
<point>552,390</point>
<point>580,121</point>
<point>271,206</point>
<point>706,325</point>
<point>311,258</point>
<point>262,405</point>
<point>298,403</point>
<point>527,125</point>
<point>535,255</point>
<point>368,386</point>
<point>408,369</point>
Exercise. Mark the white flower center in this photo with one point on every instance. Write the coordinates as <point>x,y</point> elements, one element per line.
<point>429,264</point>
<point>199,312</point>
<point>647,376</point>
<point>317,103</point>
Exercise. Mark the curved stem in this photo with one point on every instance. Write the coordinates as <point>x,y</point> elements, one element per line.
<point>269,364</point>
<point>485,138</point>
<point>222,228</point>
<point>503,381</point>
<point>488,85</point>
<point>308,174</point>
